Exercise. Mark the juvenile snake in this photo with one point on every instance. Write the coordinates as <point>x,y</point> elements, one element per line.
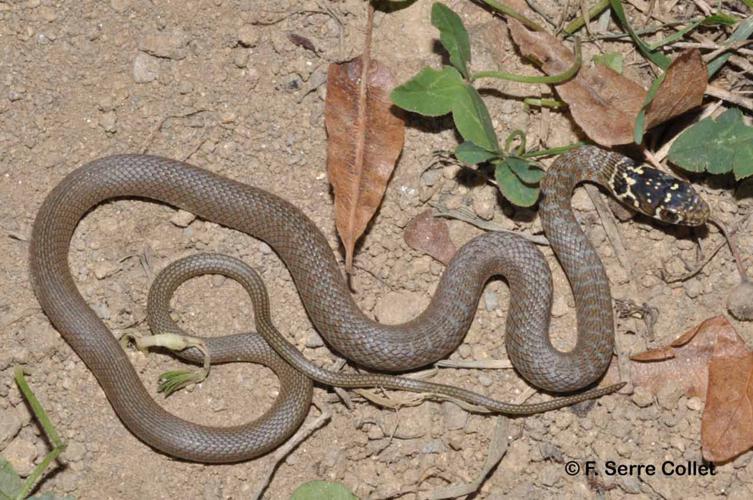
<point>303,248</point>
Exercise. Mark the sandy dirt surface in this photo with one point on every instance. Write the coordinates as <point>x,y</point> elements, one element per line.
<point>220,84</point>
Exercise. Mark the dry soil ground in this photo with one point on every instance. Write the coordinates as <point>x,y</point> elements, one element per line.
<point>218,82</point>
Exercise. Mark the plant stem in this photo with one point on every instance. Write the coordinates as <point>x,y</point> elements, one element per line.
<point>49,429</point>
<point>509,11</point>
<point>544,102</point>
<point>558,78</point>
<point>579,22</point>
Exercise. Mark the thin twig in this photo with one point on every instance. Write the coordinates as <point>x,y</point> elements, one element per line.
<point>466,215</point>
<point>728,96</point>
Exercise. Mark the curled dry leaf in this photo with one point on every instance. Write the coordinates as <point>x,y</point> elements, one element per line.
<point>727,425</point>
<point>682,89</point>
<point>684,362</point>
<point>429,234</point>
<point>604,103</point>
<point>364,142</point>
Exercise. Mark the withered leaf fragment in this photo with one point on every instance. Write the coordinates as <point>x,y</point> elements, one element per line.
<point>364,142</point>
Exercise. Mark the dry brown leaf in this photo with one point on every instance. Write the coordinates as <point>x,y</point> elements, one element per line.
<point>727,425</point>
<point>604,103</point>
<point>364,142</point>
<point>684,362</point>
<point>430,235</point>
<point>682,89</point>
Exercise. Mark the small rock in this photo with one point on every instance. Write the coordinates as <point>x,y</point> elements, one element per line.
<point>313,340</point>
<point>484,380</point>
<point>108,121</point>
<point>431,176</point>
<point>240,59</point>
<point>249,35</point>
<point>47,13</point>
<point>252,78</point>
<point>581,201</point>
<point>727,206</point>
<point>464,350</point>
<point>642,397</point>
<point>559,306</point>
<point>10,424</point>
<point>693,288</point>
<point>454,416</point>
<point>120,5</point>
<point>185,87</point>
<point>399,307</point>
<point>75,452</point>
<point>68,481</point>
<point>145,68</point>
<point>551,474</point>
<point>15,95</point>
<point>21,454</point>
<point>172,45</point>
<point>434,446</point>
<point>484,202</point>
<point>374,433</point>
<point>695,404</point>
<point>491,300</point>
<point>181,218</point>
<point>669,395</point>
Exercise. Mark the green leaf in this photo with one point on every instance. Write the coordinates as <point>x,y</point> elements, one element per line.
<point>526,171</point>
<point>612,60</point>
<point>453,36</point>
<point>654,56</point>
<point>640,120</point>
<point>719,18</point>
<point>10,482</point>
<point>742,32</point>
<point>431,92</point>
<point>468,152</point>
<point>513,188</point>
<point>472,119</point>
<point>717,146</point>
<point>322,490</point>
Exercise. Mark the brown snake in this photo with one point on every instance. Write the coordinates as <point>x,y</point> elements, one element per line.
<point>303,248</point>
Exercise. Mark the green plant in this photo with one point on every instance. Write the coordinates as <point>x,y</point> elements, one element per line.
<point>717,146</point>
<point>12,487</point>
<point>436,92</point>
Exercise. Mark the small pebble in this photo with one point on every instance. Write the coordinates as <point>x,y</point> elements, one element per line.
<point>484,380</point>
<point>182,218</point>
<point>642,397</point>
<point>314,340</point>
<point>669,395</point>
<point>491,300</point>
<point>170,45</point>
<point>559,306</point>
<point>695,404</point>
<point>248,35</point>
<point>145,68</point>
<point>108,121</point>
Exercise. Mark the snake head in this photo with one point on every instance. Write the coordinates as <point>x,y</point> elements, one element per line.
<point>658,195</point>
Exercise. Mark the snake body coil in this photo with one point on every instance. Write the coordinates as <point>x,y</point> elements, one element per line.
<point>429,337</point>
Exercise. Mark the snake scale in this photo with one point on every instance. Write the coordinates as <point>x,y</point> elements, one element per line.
<point>324,292</point>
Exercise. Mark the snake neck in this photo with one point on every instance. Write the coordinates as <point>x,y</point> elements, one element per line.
<point>580,262</point>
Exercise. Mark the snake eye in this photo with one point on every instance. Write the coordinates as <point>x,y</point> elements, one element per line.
<point>658,195</point>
